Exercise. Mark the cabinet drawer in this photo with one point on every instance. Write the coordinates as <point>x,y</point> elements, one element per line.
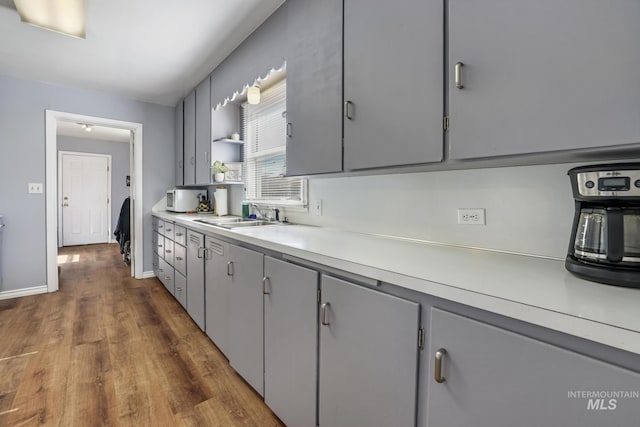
<point>180,258</point>
<point>180,235</point>
<point>168,250</point>
<point>166,275</point>
<point>156,263</point>
<point>158,245</point>
<point>161,227</point>
<point>154,223</point>
<point>181,289</point>
<point>168,230</point>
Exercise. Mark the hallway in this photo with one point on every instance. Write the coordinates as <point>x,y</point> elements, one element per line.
<point>110,350</point>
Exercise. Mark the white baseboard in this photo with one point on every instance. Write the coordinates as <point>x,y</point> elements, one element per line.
<point>148,274</point>
<point>17,293</point>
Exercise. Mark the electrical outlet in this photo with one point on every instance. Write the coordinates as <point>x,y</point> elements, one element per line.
<point>317,208</point>
<point>35,188</point>
<point>471,216</point>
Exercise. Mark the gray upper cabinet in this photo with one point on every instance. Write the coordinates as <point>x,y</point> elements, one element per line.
<point>179,160</point>
<point>493,377</point>
<point>203,132</point>
<point>217,290</point>
<point>246,351</point>
<point>190,139</point>
<point>314,87</point>
<point>368,357</point>
<point>393,79</point>
<point>195,278</point>
<point>537,76</point>
<point>290,341</point>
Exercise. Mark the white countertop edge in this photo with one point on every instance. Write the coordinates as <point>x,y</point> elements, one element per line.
<point>584,328</point>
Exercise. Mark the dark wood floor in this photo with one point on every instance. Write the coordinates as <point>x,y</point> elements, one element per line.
<point>107,350</point>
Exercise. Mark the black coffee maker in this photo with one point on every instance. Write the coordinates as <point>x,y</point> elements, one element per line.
<point>605,240</point>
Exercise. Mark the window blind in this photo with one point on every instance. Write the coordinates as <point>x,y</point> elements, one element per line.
<point>264,129</point>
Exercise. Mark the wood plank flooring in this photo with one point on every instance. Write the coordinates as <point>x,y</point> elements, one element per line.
<point>108,350</point>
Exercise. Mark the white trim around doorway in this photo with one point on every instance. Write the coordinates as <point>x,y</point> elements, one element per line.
<point>51,189</point>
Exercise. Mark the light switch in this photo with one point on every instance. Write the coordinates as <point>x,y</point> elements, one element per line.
<point>35,188</point>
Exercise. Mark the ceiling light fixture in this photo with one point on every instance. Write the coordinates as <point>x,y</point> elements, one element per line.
<point>63,16</point>
<point>253,95</point>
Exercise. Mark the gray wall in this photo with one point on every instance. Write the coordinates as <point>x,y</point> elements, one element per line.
<point>22,160</point>
<point>119,152</point>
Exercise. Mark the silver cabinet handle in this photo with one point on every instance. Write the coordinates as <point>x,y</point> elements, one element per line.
<point>161,226</point>
<point>159,246</point>
<point>266,286</point>
<point>458,74</point>
<point>200,252</point>
<point>230,268</point>
<point>179,164</point>
<point>192,160</point>
<point>167,278</point>
<point>178,234</point>
<point>437,372</point>
<point>179,289</point>
<point>324,315</point>
<point>179,258</point>
<point>160,270</point>
<point>289,129</point>
<point>168,230</point>
<point>348,110</point>
<point>206,156</point>
<point>167,251</point>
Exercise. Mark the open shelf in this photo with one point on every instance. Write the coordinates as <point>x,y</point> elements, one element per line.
<point>229,141</point>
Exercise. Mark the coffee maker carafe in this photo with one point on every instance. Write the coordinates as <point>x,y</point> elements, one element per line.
<point>605,239</point>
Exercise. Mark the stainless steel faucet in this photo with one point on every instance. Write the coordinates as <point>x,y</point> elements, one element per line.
<point>262,215</point>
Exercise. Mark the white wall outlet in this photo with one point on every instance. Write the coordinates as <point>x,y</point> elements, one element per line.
<point>317,207</point>
<point>35,188</point>
<point>471,216</point>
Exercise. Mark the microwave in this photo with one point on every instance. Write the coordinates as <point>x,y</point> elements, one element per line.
<point>179,200</point>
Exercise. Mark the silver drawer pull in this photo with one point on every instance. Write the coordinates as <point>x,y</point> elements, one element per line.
<point>324,317</point>
<point>178,234</point>
<point>458,75</point>
<point>167,278</point>
<point>179,289</point>
<point>348,110</point>
<point>437,372</point>
<point>179,258</point>
<point>266,286</point>
<point>168,251</point>
<point>230,268</point>
<point>289,131</point>
<point>159,246</point>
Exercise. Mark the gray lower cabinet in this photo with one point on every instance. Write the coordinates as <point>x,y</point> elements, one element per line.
<point>368,357</point>
<point>190,139</point>
<point>290,341</point>
<point>314,86</point>
<point>203,133</point>
<point>179,147</point>
<point>195,278</point>
<point>180,291</point>
<point>246,352</point>
<point>535,77</point>
<point>217,290</point>
<point>493,377</point>
<point>393,78</point>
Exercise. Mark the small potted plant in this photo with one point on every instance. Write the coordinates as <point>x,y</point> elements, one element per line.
<point>219,169</point>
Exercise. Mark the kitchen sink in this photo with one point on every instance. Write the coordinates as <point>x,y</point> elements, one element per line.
<point>231,223</point>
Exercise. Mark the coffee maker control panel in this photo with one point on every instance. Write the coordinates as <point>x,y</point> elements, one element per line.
<point>625,183</point>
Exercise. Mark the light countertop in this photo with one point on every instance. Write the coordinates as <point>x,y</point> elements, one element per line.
<point>534,290</point>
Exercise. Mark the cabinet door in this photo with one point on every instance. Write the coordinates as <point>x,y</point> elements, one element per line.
<point>246,352</point>
<point>290,341</point>
<point>180,290</point>
<point>493,377</point>
<point>179,143</point>
<point>314,87</point>
<point>195,278</point>
<point>203,132</point>
<point>539,76</point>
<point>180,258</point>
<point>393,79</point>
<point>190,139</point>
<point>168,251</point>
<point>166,275</point>
<point>217,289</point>
<point>368,357</point>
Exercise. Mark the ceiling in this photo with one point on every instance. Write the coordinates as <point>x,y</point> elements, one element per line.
<point>97,132</point>
<point>150,50</point>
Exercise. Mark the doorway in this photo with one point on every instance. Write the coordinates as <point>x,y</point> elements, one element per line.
<point>85,198</point>
<point>52,120</point>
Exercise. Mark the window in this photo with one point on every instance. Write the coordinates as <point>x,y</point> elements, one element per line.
<point>264,130</point>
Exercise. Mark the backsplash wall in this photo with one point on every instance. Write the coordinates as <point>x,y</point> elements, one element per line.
<point>529,209</point>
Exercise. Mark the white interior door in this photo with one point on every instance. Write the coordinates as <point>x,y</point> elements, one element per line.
<point>85,199</point>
